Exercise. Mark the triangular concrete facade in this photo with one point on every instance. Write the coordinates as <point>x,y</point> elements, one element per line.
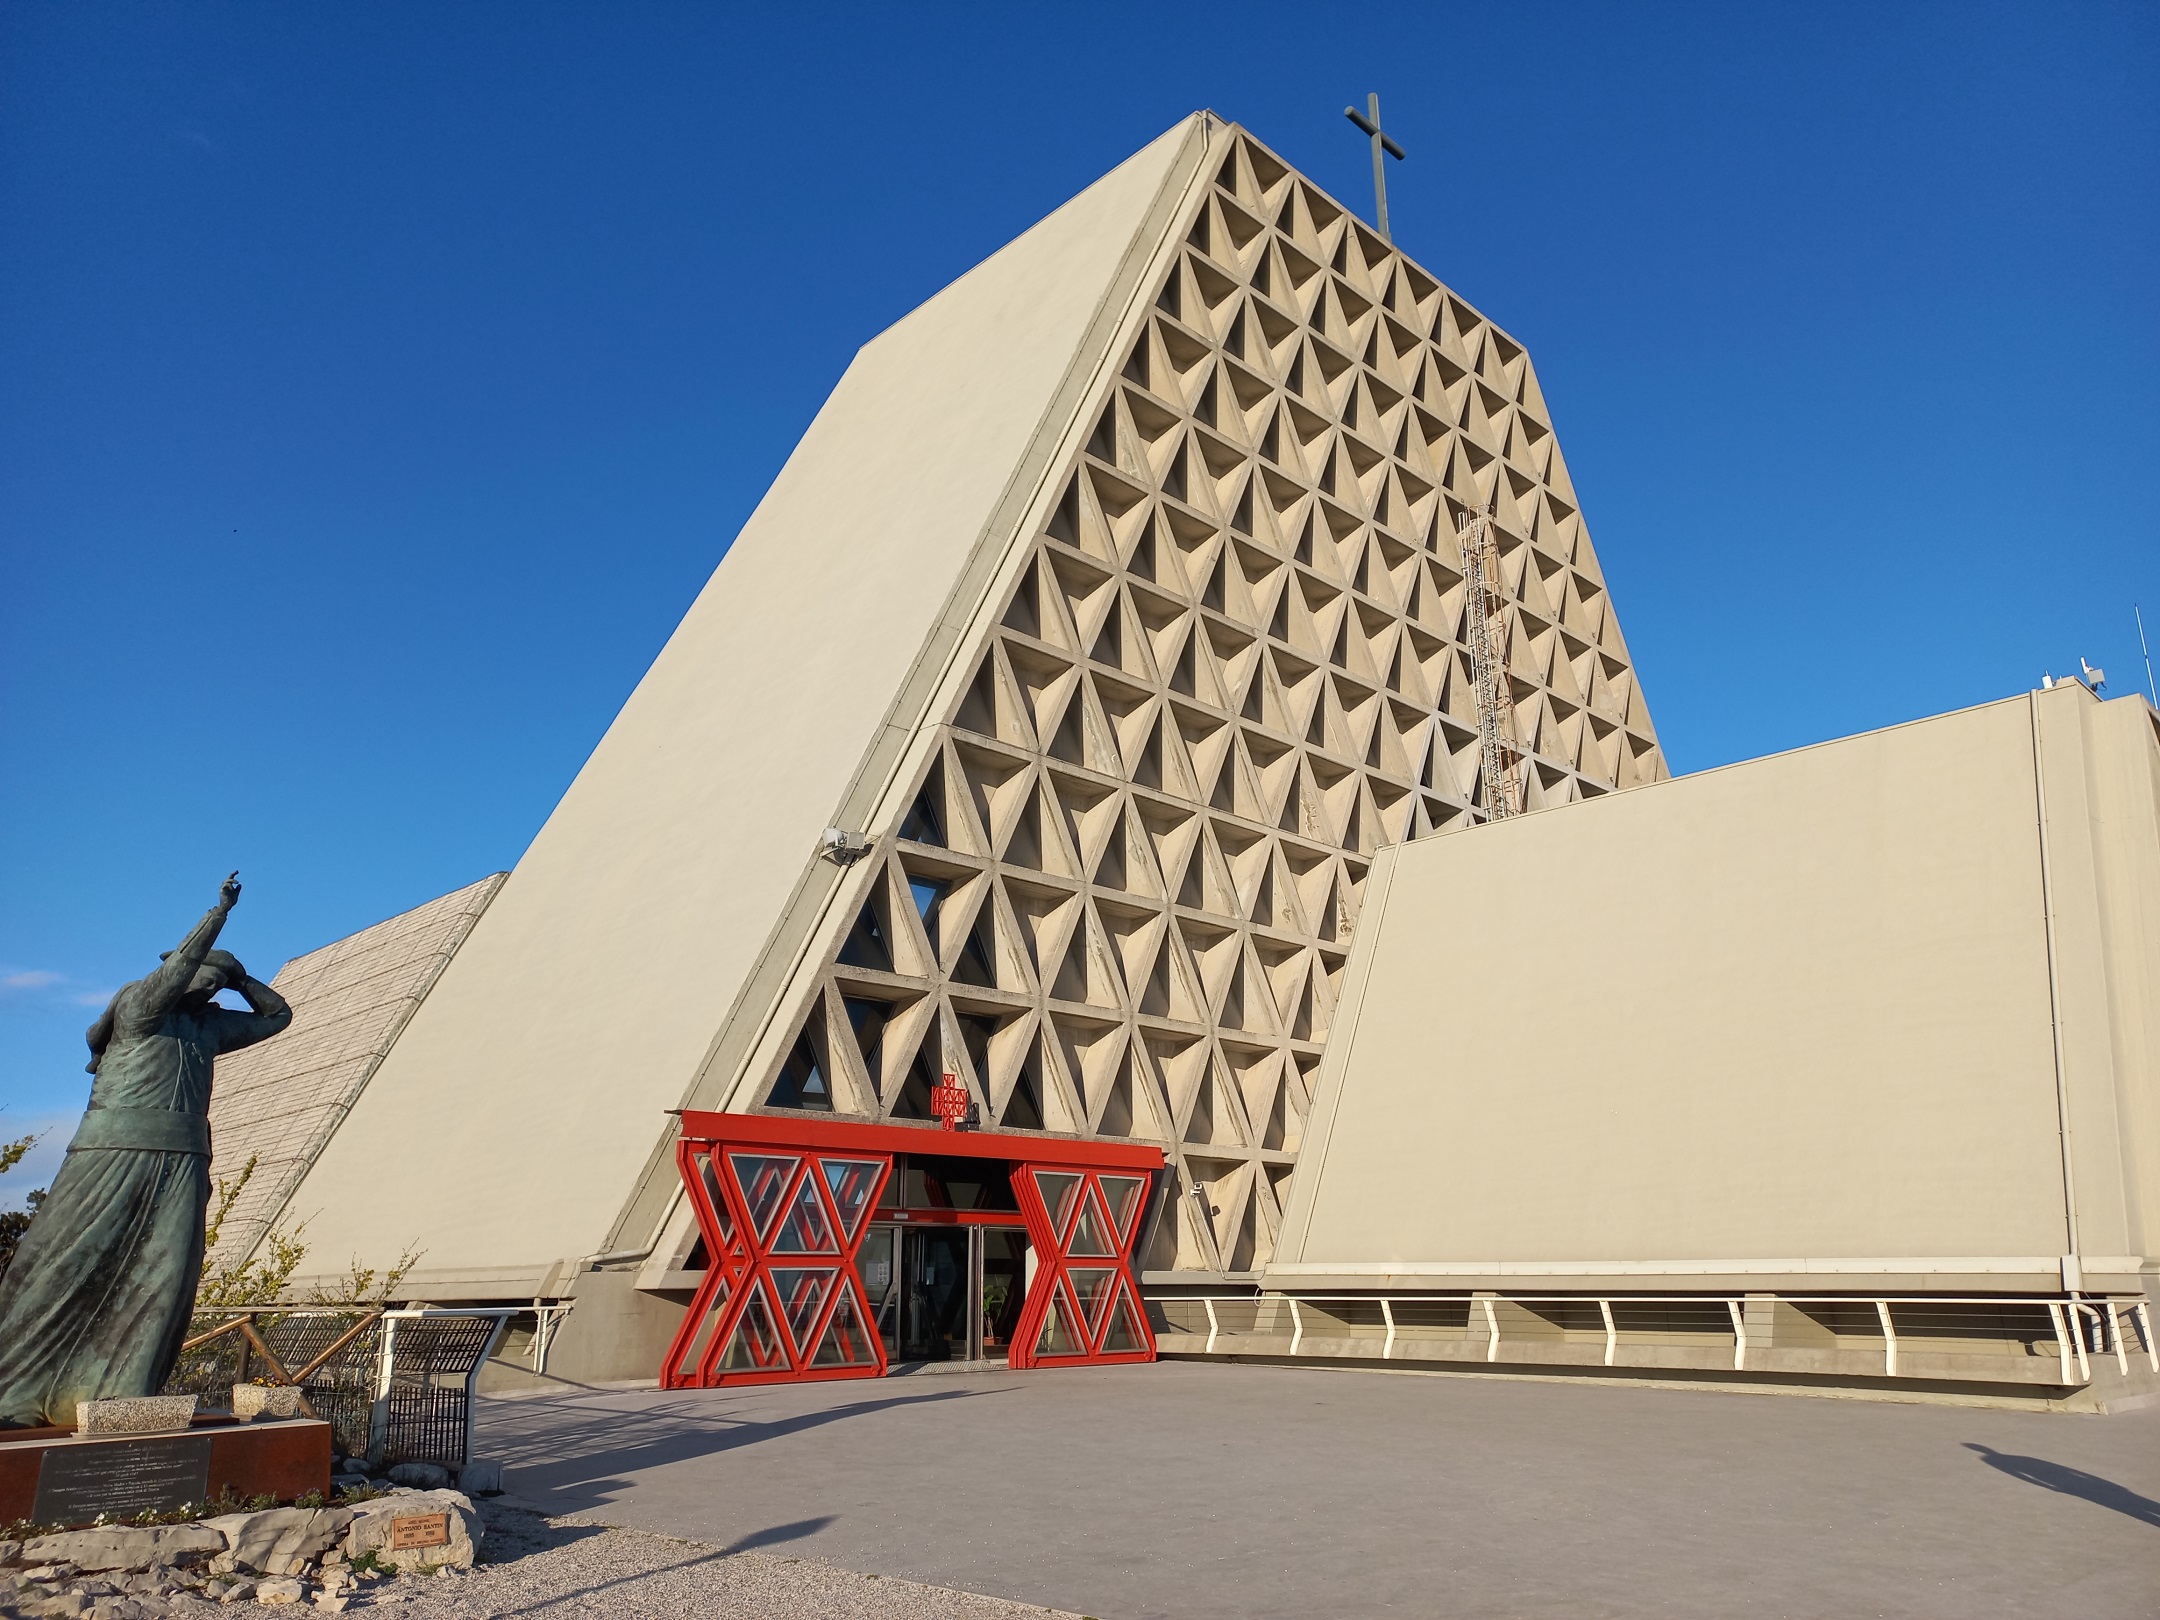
<point>1114,601</point>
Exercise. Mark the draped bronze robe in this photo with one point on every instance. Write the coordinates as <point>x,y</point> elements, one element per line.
<point>97,1300</point>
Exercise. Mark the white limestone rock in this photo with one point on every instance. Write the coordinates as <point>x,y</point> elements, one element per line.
<point>280,1541</point>
<point>280,1590</point>
<point>373,1529</point>
<point>124,1546</point>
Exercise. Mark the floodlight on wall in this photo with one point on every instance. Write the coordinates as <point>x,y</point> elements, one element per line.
<point>842,847</point>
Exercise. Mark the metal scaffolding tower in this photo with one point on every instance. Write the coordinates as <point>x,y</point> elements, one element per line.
<point>1500,751</point>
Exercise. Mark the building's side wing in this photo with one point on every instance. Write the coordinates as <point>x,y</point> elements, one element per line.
<point>1809,1023</point>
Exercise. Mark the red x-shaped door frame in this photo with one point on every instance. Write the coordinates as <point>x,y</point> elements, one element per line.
<point>782,1301</point>
<point>784,1202</point>
<point>1083,1308</point>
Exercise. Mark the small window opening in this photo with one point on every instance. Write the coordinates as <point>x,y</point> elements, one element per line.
<point>802,1082</point>
<point>867,946</point>
<point>927,892</point>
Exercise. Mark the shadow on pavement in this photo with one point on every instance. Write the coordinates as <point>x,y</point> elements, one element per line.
<point>778,1533</point>
<point>2071,1482</point>
<point>548,1457</point>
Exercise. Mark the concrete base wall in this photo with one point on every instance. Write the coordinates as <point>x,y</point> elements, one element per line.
<point>1788,1375</point>
<point>614,1334</point>
<point>1999,1352</point>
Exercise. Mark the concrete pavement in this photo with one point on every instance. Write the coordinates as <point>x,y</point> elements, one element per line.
<point>1205,1491</point>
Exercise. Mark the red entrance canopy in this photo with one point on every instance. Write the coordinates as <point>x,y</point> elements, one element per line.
<point>784,1201</point>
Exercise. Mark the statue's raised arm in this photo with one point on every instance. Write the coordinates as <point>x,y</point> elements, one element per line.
<point>268,1014</point>
<point>161,992</point>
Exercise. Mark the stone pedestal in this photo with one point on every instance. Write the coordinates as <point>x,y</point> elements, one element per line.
<point>54,1476</point>
<point>137,1414</point>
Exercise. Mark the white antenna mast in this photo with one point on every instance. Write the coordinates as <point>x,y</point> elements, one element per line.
<point>2147,651</point>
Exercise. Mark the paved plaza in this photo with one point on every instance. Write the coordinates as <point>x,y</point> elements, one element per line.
<point>1200,1491</point>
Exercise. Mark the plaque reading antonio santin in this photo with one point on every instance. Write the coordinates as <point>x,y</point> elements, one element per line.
<point>121,1478</point>
<point>409,1532</point>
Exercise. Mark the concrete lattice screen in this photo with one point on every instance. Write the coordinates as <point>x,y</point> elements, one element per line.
<point>1233,665</point>
<point>1111,612</point>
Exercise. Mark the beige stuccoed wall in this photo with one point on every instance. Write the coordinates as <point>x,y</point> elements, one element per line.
<point>2112,1000</point>
<point>506,1128</point>
<point>1784,1024</point>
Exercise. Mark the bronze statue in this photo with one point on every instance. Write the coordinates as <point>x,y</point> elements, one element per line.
<point>97,1301</point>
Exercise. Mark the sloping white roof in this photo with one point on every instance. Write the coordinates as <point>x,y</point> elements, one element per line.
<point>279,1102</point>
<point>515,1114</point>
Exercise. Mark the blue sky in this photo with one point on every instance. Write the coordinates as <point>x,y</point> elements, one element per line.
<point>379,383</point>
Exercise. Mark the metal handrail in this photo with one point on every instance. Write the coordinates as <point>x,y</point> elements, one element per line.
<point>241,1325</point>
<point>2068,1318</point>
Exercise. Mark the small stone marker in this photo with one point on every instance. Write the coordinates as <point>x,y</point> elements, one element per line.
<point>410,1532</point>
<point>122,1478</point>
<point>135,1414</point>
<point>251,1401</point>
<point>381,1527</point>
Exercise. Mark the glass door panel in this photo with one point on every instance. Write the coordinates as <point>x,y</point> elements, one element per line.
<point>1004,1286</point>
<point>1091,1287</point>
<point>1124,1336</point>
<point>1057,1188</point>
<point>807,1229</point>
<point>844,1344</point>
<point>763,1179</point>
<point>934,1311</point>
<point>802,1298</point>
<point>1123,1192</point>
<point>850,1181</point>
<point>877,1264</point>
<point>1087,1236</point>
<point>1060,1335</point>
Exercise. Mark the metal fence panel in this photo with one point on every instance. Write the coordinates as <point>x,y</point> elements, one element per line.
<point>398,1390</point>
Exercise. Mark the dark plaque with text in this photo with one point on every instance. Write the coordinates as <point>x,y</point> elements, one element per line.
<point>121,1478</point>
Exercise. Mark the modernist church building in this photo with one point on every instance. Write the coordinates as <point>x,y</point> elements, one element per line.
<point>1150,842</point>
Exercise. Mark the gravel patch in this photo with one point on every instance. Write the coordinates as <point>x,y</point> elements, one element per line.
<point>580,1570</point>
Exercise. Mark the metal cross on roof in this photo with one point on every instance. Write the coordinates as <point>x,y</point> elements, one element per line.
<point>1380,143</point>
